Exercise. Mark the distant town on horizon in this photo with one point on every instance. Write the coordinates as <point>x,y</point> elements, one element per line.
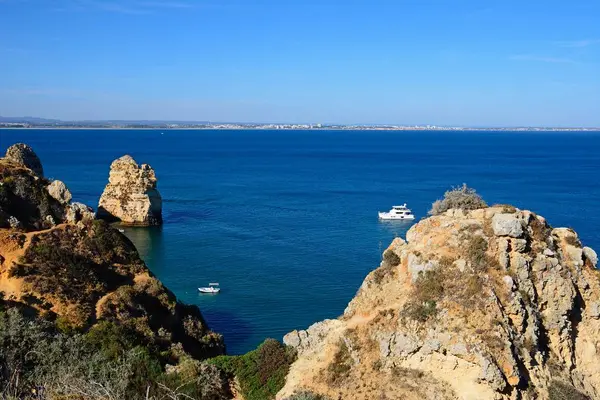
<point>38,123</point>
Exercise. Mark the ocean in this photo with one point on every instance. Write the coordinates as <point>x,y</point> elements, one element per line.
<point>286,221</point>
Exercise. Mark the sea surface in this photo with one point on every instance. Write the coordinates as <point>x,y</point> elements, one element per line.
<point>286,221</point>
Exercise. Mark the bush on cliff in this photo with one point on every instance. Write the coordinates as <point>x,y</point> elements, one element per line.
<point>306,395</point>
<point>563,391</point>
<point>427,292</point>
<point>261,372</point>
<point>37,361</point>
<point>339,368</point>
<point>462,197</point>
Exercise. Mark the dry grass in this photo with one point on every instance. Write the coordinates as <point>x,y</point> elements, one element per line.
<point>559,390</point>
<point>539,230</point>
<point>506,208</point>
<point>390,260</point>
<point>462,197</point>
<point>428,290</point>
<point>573,241</point>
<point>339,368</point>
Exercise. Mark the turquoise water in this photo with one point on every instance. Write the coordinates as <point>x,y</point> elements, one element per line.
<point>286,221</point>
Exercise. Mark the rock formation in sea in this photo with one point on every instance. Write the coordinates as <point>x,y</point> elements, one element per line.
<point>24,155</point>
<point>60,264</point>
<point>490,303</point>
<point>131,195</point>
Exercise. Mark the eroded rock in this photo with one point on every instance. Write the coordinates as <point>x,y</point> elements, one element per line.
<point>507,225</point>
<point>131,195</point>
<point>58,190</point>
<point>76,212</point>
<point>24,155</point>
<point>591,255</point>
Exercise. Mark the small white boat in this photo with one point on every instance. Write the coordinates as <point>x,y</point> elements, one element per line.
<point>121,230</point>
<point>211,288</point>
<point>397,213</point>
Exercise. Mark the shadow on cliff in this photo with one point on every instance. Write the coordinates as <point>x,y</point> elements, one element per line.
<point>103,214</point>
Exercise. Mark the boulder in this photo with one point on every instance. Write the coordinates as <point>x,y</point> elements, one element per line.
<point>58,190</point>
<point>311,339</point>
<point>507,225</point>
<point>78,212</point>
<point>24,155</point>
<point>591,256</point>
<point>131,195</point>
<point>14,223</point>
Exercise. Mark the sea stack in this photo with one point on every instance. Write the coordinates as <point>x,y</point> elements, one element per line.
<point>24,155</point>
<point>131,195</point>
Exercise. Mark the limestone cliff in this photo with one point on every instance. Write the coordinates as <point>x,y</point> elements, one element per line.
<point>61,265</point>
<point>131,195</point>
<point>485,304</point>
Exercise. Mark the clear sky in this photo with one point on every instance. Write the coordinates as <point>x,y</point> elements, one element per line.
<point>443,62</point>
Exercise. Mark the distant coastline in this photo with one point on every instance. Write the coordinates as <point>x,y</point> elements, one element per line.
<point>25,122</point>
<point>286,127</point>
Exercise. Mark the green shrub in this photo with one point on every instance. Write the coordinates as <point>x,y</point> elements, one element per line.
<point>339,368</point>
<point>539,230</point>
<point>111,339</point>
<point>391,258</point>
<point>106,363</point>
<point>462,197</point>
<point>64,325</point>
<point>428,290</point>
<point>420,311</point>
<point>562,391</point>
<point>307,395</point>
<point>475,253</point>
<point>261,372</point>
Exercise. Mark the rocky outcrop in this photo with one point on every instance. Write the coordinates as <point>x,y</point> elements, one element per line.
<point>30,202</point>
<point>58,190</point>
<point>76,212</point>
<point>61,264</point>
<point>507,225</point>
<point>131,195</point>
<point>25,202</point>
<point>24,155</point>
<point>484,304</point>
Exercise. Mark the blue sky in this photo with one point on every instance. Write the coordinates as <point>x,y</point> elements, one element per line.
<point>443,62</point>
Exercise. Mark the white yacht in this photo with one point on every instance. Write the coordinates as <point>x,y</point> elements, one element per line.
<point>211,288</point>
<point>397,212</point>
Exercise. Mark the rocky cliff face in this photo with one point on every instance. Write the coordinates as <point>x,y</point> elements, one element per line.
<point>131,195</point>
<point>29,202</point>
<point>58,263</point>
<point>485,304</point>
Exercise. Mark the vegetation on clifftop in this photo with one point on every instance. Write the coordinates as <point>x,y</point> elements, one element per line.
<point>462,197</point>
<point>37,361</point>
<point>261,373</point>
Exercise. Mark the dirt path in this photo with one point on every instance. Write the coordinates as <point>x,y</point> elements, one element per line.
<point>11,251</point>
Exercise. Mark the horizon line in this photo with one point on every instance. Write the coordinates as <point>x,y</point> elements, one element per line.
<point>27,120</point>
